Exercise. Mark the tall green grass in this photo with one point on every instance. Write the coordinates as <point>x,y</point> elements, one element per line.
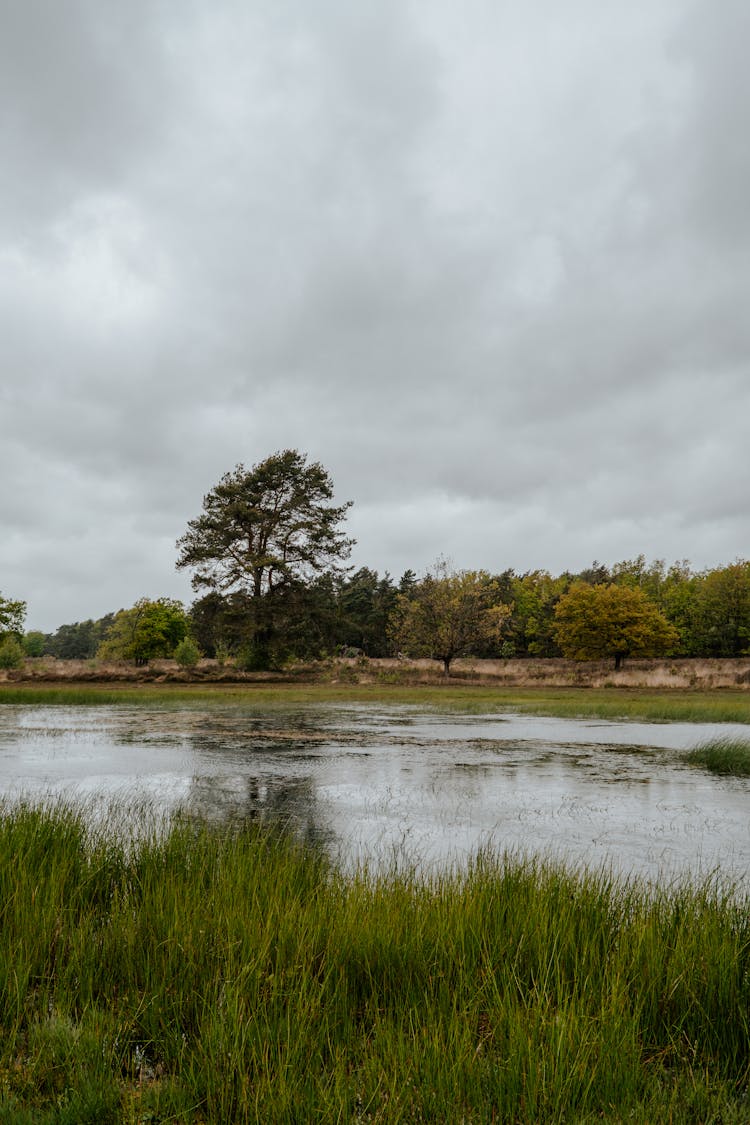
<point>728,756</point>
<point>188,975</point>
<point>725,705</point>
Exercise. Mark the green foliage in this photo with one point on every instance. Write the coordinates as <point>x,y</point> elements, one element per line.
<point>727,756</point>
<point>534,596</point>
<point>200,975</point>
<point>33,643</point>
<point>597,574</point>
<point>187,654</point>
<point>220,622</point>
<point>252,658</point>
<point>710,610</point>
<point>449,614</point>
<point>80,640</point>
<point>263,534</point>
<point>365,604</point>
<point>12,617</point>
<point>594,622</point>
<point>264,527</point>
<point>675,599</point>
<point>720,611</point>
<point>321,611</point>
<point>148,631</point>
<point>637,574</point>
<point>407,583</point>
<point>11,653</point>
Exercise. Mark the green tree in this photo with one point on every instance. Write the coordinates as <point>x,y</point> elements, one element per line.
<point>309,618</point>
<point>219,622</point>
<point>720,611</point>
<point>263,531</point>
<point>534,596</point>
<point>11,652</point>
<point>366,603</point>
<point>449,614</point>
<point>33,643</point>
<point>676,600</point>
<point>12,617</point>
<point>594,622</point>
<point>637,573</point>
<point>150,630</point>
<point>672,590</point>
<point>595,575</point>
<point>80,640</point>
<point>407,582</point>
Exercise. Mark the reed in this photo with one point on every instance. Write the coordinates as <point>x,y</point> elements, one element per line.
<point>728,756</point>
<point>175,973</point>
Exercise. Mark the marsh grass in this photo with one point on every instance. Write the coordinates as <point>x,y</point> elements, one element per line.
<point>728,756</point>
<point>182,974</point>
<point>725,705</point>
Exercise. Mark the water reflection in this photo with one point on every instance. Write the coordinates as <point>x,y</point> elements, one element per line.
<point>375,782</point>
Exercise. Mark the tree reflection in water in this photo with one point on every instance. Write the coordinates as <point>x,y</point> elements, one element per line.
<point>276,800</point>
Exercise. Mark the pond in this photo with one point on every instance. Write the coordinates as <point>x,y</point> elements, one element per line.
<point>401,785</point>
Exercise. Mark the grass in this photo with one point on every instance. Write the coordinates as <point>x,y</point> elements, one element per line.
<point>721,705</point>
<point>187,975</point>
<point>728,756</point>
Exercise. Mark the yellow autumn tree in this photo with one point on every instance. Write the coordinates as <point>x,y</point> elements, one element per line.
<point>603,621</point>
<point>449,614</point>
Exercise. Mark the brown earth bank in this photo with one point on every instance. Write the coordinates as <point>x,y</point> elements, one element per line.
<point>657,674</point>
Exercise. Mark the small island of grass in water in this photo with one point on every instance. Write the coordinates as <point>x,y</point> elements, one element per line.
<point>727,756</point>
<point>195,975</point>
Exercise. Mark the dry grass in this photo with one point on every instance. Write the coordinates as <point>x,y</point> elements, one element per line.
<point>653,674</point>
<point>656,675</point>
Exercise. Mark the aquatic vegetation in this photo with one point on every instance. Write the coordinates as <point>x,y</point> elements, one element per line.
<point>179,973</point>
<point>730,756</point>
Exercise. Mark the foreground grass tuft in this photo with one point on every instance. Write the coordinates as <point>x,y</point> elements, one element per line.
<point>188,975</point>
<point>730,756</point>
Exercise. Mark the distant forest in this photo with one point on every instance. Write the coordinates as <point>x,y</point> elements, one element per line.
<point>357,613</point>
<point>269,560</point>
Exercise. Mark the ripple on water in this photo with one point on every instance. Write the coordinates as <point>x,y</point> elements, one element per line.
<point>372,782</point>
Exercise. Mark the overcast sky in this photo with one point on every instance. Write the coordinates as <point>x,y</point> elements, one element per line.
<point>488,262</point>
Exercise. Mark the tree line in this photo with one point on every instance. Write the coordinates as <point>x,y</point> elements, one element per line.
<point>269,556</point>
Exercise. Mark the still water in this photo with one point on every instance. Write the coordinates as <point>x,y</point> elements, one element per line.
<point>397,784</point>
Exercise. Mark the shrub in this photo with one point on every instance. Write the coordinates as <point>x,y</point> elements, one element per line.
<point>11,653</point>
<point>187,654</point>
<point>249,660</point>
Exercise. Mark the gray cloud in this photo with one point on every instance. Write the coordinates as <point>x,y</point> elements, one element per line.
<point>489,264</point>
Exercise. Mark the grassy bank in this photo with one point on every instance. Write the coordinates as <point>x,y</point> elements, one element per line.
<point>723,705</point>
<point>200,978</point>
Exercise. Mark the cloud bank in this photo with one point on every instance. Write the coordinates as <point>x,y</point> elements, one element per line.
<point>490,266</point>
